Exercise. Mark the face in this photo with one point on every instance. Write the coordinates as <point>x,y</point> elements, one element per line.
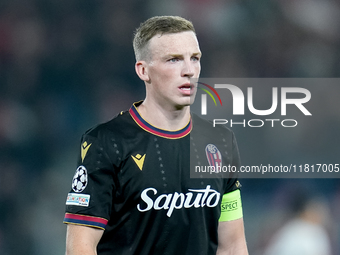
<point>175,58</point>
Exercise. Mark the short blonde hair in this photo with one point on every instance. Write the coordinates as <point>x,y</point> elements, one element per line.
<point>157,25</point>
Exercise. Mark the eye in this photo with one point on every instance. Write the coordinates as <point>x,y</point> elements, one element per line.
<point>195,59</point>
<point>173,60</point>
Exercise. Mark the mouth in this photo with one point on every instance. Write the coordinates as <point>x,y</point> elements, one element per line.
<point>186,87</point>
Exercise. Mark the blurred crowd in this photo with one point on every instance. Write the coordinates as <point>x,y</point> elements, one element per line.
<point>67,65</point>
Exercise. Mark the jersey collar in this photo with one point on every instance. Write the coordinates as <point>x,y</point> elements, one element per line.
<point>157,131</point>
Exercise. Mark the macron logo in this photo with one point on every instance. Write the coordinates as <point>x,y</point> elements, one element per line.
<point>139,160</point>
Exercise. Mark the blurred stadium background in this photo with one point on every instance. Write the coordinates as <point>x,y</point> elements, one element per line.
<point>67,65</point>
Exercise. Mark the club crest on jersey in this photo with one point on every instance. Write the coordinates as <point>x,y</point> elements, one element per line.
<point>213,155</point>
<point>79,181</point>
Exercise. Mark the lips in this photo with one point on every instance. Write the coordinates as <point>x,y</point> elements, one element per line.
<point>186,88</point>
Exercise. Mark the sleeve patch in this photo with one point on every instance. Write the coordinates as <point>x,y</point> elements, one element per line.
<point>78,199</point>
<point>231,206</point>
<point>85,220</point>
<point>79,181</point>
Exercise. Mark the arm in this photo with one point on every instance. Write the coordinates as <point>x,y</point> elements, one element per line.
<point>231,238</point>
<point>82,240</point>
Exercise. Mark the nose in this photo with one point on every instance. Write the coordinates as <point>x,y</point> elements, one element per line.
<point>188,69</point>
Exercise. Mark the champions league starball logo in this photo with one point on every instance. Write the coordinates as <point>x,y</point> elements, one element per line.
<point>79,181</point>
<point>289,96</point>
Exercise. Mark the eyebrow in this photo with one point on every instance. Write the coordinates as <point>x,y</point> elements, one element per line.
<point>197,54</point>
<point>181,55</point>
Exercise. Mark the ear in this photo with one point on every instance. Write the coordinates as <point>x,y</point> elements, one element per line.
<point>141,68</point>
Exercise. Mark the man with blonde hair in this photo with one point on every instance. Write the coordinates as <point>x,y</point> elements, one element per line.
<point>132,192</point>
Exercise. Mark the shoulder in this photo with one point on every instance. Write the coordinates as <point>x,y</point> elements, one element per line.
<point>110,139</point>
<point>119,126</point>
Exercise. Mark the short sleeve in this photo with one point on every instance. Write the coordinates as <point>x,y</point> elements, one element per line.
<point>89,201</point>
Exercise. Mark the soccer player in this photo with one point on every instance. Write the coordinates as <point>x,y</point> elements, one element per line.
<point>132,192</point>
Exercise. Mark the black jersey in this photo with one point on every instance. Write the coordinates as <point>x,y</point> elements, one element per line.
<point>133,181</point>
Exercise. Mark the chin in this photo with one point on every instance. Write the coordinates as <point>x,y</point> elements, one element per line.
<point>184,102</point>
<point>180,106</point>
<point>187,102</point>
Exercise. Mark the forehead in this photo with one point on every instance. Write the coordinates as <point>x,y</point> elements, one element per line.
<point>175,43</point>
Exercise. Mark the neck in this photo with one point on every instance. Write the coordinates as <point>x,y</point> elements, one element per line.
<point>161,117</point>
